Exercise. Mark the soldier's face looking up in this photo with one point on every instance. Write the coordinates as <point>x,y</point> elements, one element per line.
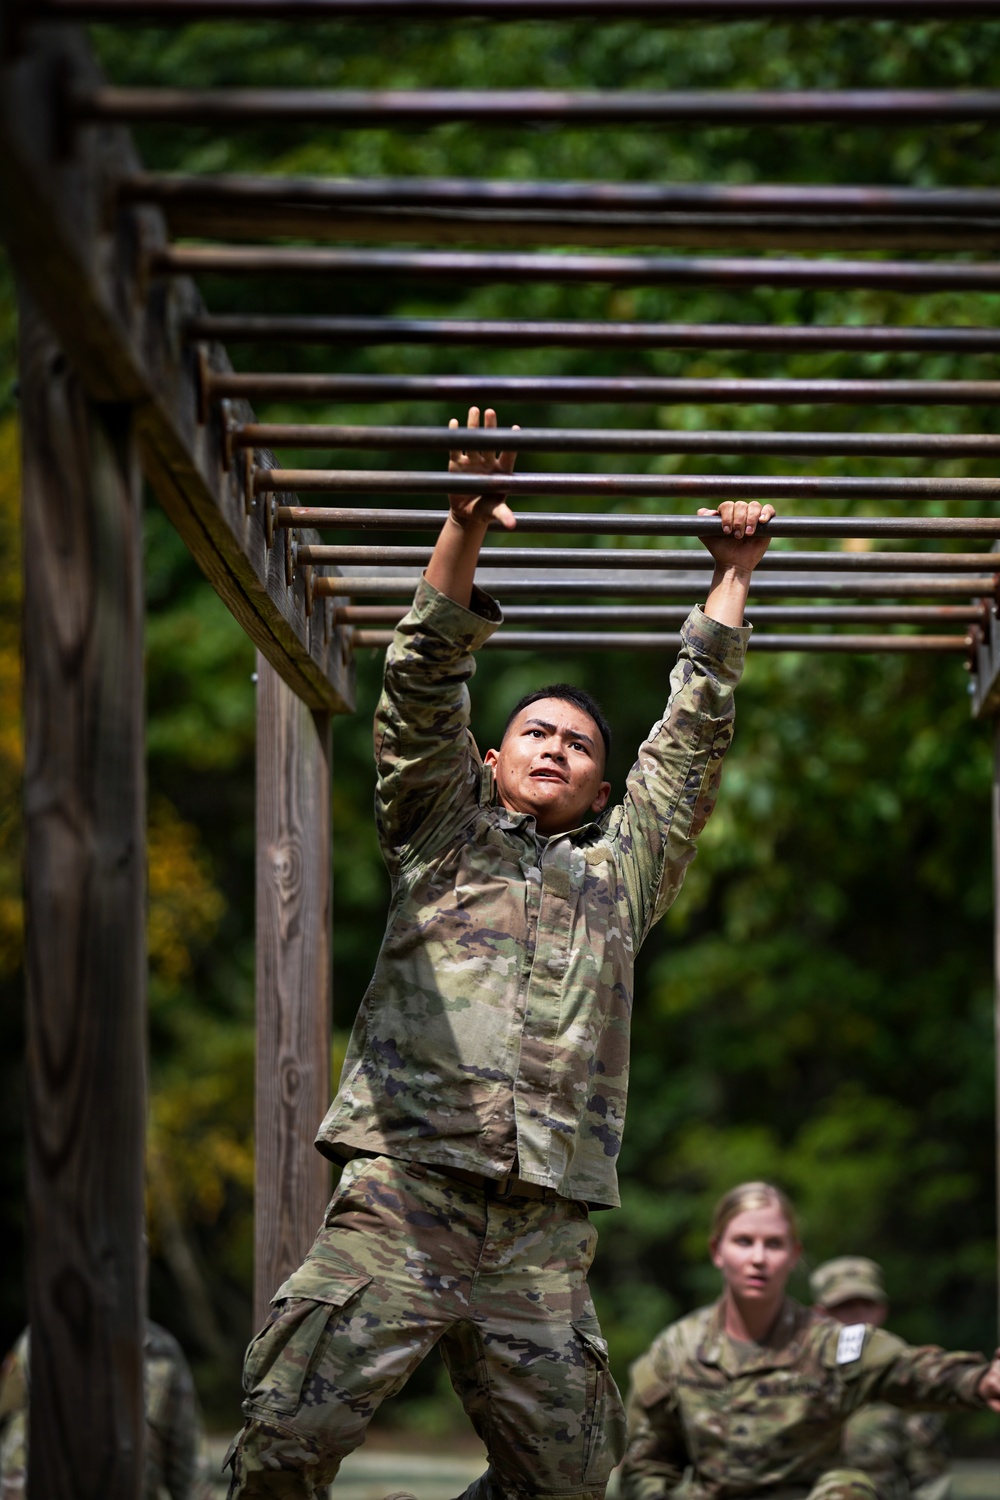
<point>860,1310</point>
<point>551,764</point>
<point>756,1253</point>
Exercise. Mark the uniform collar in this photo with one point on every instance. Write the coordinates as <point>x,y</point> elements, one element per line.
<point>781,1350</point>
<point>515,821</point>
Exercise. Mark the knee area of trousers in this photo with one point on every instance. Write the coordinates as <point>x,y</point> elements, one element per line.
<point>844,1484</point>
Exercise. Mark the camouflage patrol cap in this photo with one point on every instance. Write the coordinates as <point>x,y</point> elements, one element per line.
<point>845,1278</point>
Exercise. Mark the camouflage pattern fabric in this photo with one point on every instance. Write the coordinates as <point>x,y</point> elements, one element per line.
<point>408,1258</point>
<point>497,1020</point>
<point>176,1453</point>
<point>843,1484</point>
<point>750,1419</point>
<point>902,1452</point>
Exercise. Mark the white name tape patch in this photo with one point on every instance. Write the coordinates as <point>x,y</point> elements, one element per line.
<point>850,1343</point>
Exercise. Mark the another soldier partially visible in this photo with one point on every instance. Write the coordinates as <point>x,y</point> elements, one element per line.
<point>747,1399</point>
<point>482,1101</point>
<point>907,1454</point>
<point>176,1461</point>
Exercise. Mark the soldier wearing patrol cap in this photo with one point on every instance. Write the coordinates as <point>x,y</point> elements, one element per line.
<point>746,1399</point>
<point>482,1100</point>
<point>906,1453</point>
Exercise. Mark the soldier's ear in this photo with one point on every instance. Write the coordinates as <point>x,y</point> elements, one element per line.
<point>491,757</point>
<point>601,800</point>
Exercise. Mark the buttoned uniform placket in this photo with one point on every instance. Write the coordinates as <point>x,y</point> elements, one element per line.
<point>741,1417</point>
<point>543,1137</point>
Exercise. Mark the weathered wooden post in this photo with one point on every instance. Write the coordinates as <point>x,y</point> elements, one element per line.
<point>85,944</point>
<point>293,978</point>
<point>996,958</point>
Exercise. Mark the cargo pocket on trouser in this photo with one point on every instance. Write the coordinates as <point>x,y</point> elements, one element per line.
<point>605,1415</point>
<point>285,1357</point>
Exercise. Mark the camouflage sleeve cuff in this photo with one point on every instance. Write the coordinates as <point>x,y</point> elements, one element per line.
<point>723,645</point>
<point>968,1387</point>
<point>466,628</point>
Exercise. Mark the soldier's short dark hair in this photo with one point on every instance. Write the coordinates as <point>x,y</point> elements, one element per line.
<point>568,694</point>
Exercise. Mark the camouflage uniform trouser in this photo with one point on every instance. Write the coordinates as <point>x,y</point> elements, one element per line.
<point>407,1258</point>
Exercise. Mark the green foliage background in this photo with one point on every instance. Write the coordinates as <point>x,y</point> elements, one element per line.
<point>817,1008</point>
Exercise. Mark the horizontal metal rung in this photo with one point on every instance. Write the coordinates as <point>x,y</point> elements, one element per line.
<point>387,108</point>
<point>323,554</point>
<point>687,587</point>
<point>583,388</point>
<point>179,12</point>
<point>519,229</point>
<point>648,486</point>
<point>936,445</point>
<point>555,522</point>
<point>670,614</point>
<point>571,640</point>
<point>624,270</point>
<point>239,189</point>
<point>229,328</point>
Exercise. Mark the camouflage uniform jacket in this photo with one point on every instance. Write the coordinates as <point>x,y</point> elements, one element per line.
<point>749,1419</point>
<point>497,1020</point>
<point>902,1452</point>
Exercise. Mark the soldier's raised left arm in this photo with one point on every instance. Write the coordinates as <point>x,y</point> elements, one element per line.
<point>672,787</point>
<point>919,1377</point>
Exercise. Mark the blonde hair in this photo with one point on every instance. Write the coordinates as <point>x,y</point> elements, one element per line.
<point>747,1196</point>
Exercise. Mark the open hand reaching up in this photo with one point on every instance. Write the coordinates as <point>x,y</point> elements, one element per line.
<point>481,509</point>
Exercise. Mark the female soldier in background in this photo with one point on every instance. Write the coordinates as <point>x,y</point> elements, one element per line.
<point>747,1398</point>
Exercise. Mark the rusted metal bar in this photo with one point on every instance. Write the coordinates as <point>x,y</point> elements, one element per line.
<point>229,328</point>
<point>573,640</point>
<point>579,388</point>
<point>362,108</point>
<point>179,12</point>
<point>634,486</point>
<point>506,230</point>
<point>592,523</point>
<point>676,614</point>
<point>321,554</point>
<point>690,586</point>
<point>170,190</point>
<point>622,270</point>
<point>930,445</point>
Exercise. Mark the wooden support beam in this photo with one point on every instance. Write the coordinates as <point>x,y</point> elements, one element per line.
<point>84,810</point>
<point>995,810</point>
<point>293,978</point>
<point>84,261</point>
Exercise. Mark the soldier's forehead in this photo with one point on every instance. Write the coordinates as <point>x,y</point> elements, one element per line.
<point>557,713</point>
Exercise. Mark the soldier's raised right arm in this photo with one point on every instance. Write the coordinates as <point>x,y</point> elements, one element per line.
<point>427,769</point>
